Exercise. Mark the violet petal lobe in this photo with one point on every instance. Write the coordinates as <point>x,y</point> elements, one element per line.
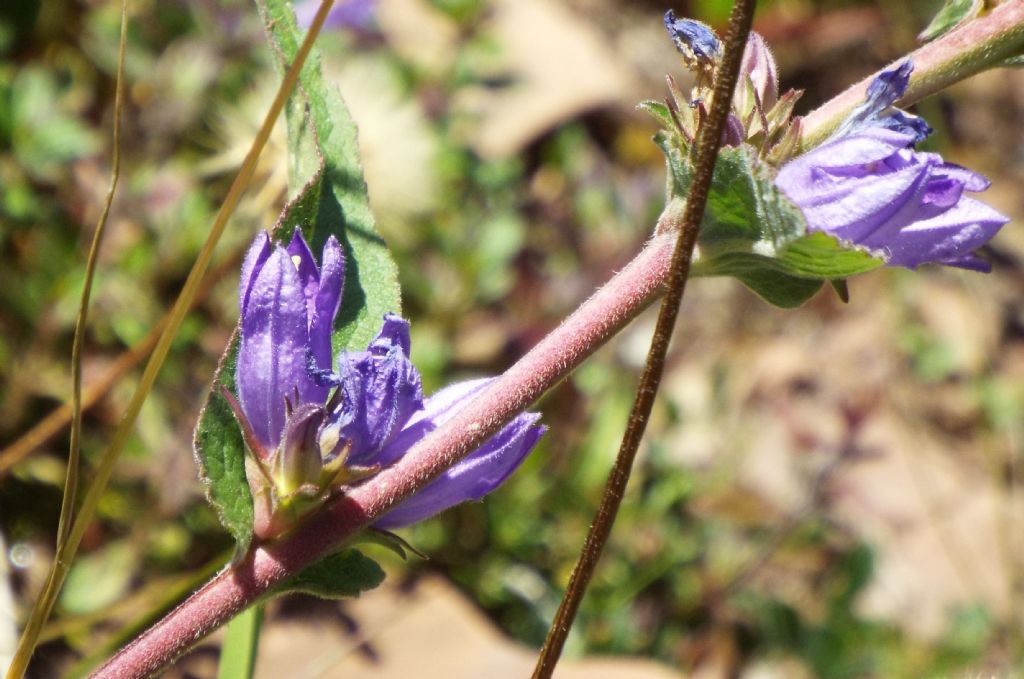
<point>255,257</point>
<point>327,302</point>
<point>272,353</point>
<point>481,472</point>
<point>305,265</point>
<point>945,237</point>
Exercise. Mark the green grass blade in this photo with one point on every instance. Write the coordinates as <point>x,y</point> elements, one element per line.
<point>238,653</point>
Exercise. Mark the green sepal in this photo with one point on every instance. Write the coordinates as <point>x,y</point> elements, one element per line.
<point>752,232</point>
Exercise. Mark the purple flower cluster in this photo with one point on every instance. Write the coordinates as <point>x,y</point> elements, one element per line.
<point>868,186</point>
<point>311,428</point>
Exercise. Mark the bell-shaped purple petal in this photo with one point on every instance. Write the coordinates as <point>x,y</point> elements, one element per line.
<point>380,389</point>
<point>274,340</point>
<point>872,189</point>
<point>481,472</point>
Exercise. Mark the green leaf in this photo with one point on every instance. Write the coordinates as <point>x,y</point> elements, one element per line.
<point>220,454</point>
<point>752,232</point>
<point>953,13</point>
<point>338,576</point>
<point>329,139</point>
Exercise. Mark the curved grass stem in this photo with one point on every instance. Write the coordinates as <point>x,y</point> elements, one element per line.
<point>39,614</point>
<point>67,548</point>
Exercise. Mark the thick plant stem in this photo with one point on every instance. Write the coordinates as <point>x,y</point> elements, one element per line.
<point>708,141</point>
<point>974,47</point>
<point>598,319</point>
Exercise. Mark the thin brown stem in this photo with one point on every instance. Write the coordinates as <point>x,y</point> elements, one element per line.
<point>708,141</point>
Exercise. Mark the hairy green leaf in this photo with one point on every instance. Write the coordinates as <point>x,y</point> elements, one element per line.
<point>322,133</point>
<point>345,574</point>
<point>220,454</point>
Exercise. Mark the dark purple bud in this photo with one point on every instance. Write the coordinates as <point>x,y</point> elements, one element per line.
<point>733,133</point>
<point>299,462</point>
<point>882,93</point>
<point>697,43</point>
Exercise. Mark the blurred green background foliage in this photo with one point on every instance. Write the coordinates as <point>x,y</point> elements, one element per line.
<point>829,492</point>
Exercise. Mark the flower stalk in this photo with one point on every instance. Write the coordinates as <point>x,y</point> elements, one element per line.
<point>978,45</point>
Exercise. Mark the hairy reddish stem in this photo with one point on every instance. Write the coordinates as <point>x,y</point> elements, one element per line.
<point>590,326</point>
<point>974,47</point>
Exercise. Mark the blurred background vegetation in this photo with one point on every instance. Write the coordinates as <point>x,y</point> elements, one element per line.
<point>830,492</point>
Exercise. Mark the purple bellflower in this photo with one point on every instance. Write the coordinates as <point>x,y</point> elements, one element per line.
<point>351,14</point>
<point>868,186</point>
<point>310,429</point>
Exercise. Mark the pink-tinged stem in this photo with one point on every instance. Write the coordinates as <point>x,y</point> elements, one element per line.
<point>589,327</point>
<point>974,47</point>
